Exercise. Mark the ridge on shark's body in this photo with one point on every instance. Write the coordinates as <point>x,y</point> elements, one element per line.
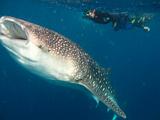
<point>54,56</point>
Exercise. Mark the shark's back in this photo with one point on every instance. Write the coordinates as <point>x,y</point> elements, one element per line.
<point>86,71</point>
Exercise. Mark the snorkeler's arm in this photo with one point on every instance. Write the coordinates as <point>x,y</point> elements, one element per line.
<point>114,20</point>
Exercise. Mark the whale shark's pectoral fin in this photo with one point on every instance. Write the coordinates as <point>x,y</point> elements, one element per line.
<point>114,117</point>
<point>100,88</point>
<point>96,99</point>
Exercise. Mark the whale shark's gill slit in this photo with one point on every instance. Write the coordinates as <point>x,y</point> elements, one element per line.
<point>13,30</point>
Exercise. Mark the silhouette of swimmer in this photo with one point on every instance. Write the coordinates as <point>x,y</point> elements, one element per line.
<point>118,20</point>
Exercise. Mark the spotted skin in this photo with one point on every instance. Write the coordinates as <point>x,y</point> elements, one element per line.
<point>86,71</point>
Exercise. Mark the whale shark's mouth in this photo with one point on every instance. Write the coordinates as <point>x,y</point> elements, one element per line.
<point>14,37</point>
<point>12,29</point>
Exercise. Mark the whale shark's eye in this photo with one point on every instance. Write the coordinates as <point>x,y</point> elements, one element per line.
<point>12,30</point>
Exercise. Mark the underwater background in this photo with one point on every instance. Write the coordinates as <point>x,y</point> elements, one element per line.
<point>133,56</point>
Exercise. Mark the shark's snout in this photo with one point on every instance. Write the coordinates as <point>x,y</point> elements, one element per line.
<point>11,28</point>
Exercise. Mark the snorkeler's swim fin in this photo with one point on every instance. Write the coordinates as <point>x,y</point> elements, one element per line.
<point>146,29</point>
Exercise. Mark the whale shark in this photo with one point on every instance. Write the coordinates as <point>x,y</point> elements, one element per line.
<point>52,55</point>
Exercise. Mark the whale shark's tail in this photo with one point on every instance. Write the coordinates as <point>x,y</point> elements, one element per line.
<point>99,85</point>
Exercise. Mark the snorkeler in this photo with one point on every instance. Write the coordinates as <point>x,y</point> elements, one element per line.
<point>118,20</point>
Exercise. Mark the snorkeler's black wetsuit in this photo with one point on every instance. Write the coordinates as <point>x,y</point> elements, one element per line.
<point>101,17</point>
<point>120,21</point>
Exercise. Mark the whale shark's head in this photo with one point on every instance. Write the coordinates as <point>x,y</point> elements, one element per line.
<point>13,34</point>
<point>17,38</point>
<point>32,46</point>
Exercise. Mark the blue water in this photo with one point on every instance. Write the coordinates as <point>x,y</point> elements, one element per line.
<point>133,56</point>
